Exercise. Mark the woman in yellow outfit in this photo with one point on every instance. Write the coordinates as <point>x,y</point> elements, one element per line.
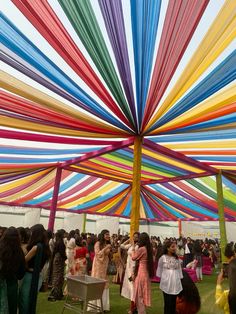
<point>226,299</point>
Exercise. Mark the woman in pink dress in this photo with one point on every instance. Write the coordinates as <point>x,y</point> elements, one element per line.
<point>102,251</point>
<point>142,282</point>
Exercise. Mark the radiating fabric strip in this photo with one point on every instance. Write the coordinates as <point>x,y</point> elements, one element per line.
<point>221,33</point>
<point>144,18</point>
<point>52,139</point>
<point>44,19</point>
<point>36,112</point>
<point>31,192</point>
<point>224,98</point>
<point>22,54</point>
<point>83,20</point>
<point>212,184</point>
<point>97,196</point>
<point>176,204</point>
<point>43,188</point>
<point>211,193</point>
<point>13,85</point>
<point>222,123</point>
<point>68,194</point>
<point>194,193</point>
<point>221,76</point>
<point>199,137</point>
<point>181,20</point>
<point>112,12</point>
<point>9,177</point>
<point>193,199</point>
<point>72,194</point>
<point>226,109</point>
<point>45,198</point>
<point>36,151</point>
<point>26,179</point>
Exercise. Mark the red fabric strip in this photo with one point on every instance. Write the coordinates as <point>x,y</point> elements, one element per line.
<point>52,138</point>
<point>181,20</point>
<point>44,19</point>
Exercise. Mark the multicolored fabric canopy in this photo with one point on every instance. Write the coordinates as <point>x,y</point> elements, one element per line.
<point>82,79</point>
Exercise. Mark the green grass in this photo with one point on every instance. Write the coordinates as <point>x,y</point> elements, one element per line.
<point>120,305</point>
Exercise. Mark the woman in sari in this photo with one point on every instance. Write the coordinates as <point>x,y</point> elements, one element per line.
<point>58,265</point>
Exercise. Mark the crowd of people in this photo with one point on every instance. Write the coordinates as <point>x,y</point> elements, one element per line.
<point>33,259</point>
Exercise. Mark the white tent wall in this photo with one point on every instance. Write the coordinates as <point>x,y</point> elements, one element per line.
<point>208,229</point>
<point>109,223</point>
<point>26,217</point>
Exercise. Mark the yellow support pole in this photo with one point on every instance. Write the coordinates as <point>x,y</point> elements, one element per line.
<point>220,200</point>
<point>135,206</point>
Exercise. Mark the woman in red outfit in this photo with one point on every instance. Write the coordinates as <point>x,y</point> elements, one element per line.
<point>81,255</point>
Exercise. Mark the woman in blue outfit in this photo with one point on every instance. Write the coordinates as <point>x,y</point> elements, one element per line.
<point>38,254</point>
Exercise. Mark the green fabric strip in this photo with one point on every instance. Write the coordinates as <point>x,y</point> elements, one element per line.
<point>81,15</point>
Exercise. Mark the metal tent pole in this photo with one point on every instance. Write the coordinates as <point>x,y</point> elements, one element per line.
<point>54,199</point>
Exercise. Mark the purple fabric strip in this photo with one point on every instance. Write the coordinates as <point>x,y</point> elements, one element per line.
<point>113,17</point>
<point>123,166</point>
<point>22,187</point>
<point>188,197</point>
<point>160,163</point>
<point>16,64</point>
<point>15,176</point>
<point>153,207</point>
<point>176,155</point>
<point>71,191</point>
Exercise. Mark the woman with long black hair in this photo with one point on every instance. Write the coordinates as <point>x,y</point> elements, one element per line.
<point>58,265</point>
<point>188,301</point>
<point>12,269</point>
<point>226,299</point>
<point>142,281</point>
<point>38,253</point>
<point>170,271</point>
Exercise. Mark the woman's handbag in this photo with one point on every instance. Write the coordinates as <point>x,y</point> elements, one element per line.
<point>111,269</point>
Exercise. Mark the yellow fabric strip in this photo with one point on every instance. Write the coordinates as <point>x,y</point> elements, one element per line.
<point>101,191</point>
<point>221,33</point>
<point>31,188</point>
<point>171,161</point>
<point>111,204</point>
<point>204,145</point>
<point>229,167</point>
<point>92,172</point>
<point>178,211</point>
<point>11,185</point>
<point>21,124</point>
<point>108,166</point>
<point>218,101</point>
<point>142,211</point>
<point>120,170</point>
<point>15,86</point>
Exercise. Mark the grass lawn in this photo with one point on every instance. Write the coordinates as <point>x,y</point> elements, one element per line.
<point>120,305</point>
